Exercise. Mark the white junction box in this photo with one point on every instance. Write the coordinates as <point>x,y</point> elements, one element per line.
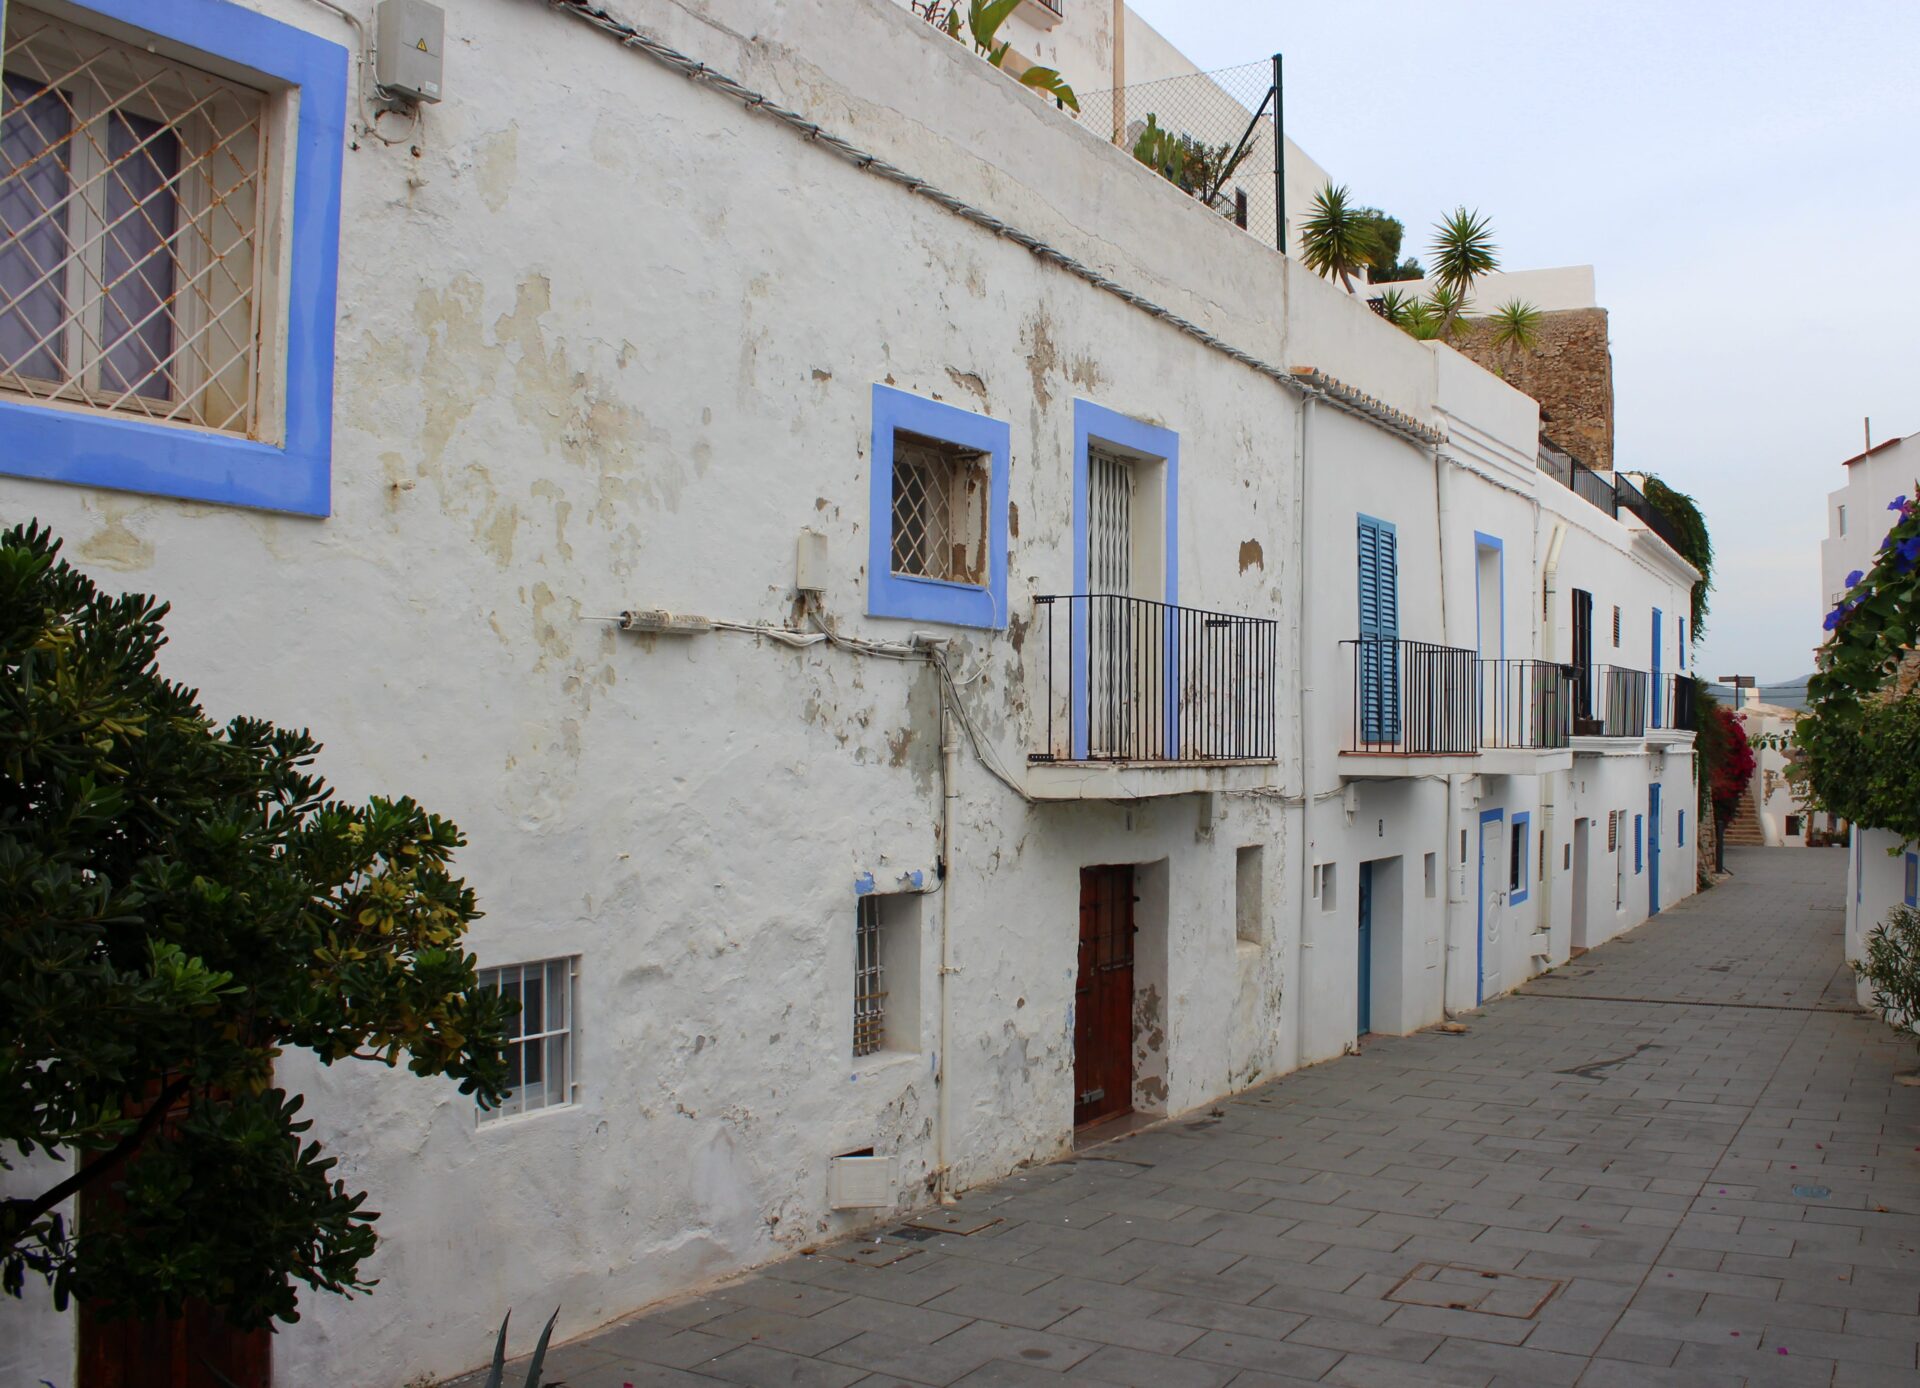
<point>860,1183</point>
<point>410,39</point>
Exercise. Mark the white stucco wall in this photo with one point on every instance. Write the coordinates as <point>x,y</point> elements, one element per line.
<point>609,342</point>
<point>1873,479</point>
<point>1548,289</point>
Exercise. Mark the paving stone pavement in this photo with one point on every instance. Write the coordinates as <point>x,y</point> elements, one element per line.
<point>1680,1160</point>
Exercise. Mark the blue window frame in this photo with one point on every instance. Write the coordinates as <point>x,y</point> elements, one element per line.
<point>1519,878</point>
<point>1653,704</point>
<point>1377,559</point>
<point>1911,892</point>
<point>912,596</point>
<point>99,449</point>
<point>1680,830</point>
<point>1639,826</point>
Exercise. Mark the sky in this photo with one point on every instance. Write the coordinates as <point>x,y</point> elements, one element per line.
<point>1744,176</point>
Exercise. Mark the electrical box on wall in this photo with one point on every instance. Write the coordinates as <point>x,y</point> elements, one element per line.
<point>810,562</point>
<point>860,1183</point>
<point>409,48</point>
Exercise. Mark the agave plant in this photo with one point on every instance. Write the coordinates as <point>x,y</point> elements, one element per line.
<point>499,1369</point>
<point>1395,306</point>
<point>1449,308</point>
<point>1463,250</point>
<point>1516,325</point>
<point>1336,240</point>
<point>1421,322</point>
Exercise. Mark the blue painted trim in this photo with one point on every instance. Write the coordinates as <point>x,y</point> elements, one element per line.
<point>96,449</point>
<point>1911,894</point>
<point>1639,832</point>
<point>1680,831</point>
<point>928,599</point>
<point>863,884</point>
<point>1653,703</point>
<point>1482,540</point>
<point>1521,892</point>
<point>1093,423</point>
<point>1653,849</point>
<point>1480,933</point>
<point>1680,637</point>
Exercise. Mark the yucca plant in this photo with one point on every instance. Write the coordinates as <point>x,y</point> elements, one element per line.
<point>1395,306</point>
<point>1449,308</point>
<point>1515,325</point>
<point>1337,239</point>
<point>1421,322</point>
<point>499,1369</point>
<point>1463,250</point>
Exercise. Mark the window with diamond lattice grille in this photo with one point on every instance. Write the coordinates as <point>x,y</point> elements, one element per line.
<point>939,510</point>
<point>132,193</point>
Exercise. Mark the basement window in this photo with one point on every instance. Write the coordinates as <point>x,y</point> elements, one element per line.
<point>540,1039</point>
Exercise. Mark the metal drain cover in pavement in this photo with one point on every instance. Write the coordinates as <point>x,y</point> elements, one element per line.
<point>954,1221</point>
<point>1812,1192</point>
<point>1454,1287</point>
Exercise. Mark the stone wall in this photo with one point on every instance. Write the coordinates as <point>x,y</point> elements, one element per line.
<point>1569,371</point>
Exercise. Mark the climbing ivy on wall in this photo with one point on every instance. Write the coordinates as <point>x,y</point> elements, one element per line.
<point>1860,743</point>
<point>1697,550</point>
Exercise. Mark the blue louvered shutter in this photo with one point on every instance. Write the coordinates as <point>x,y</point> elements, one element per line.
<point>1379,664</point>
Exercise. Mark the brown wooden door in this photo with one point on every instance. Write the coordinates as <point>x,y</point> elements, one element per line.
<point>1103,996</point>
<point>164,1353</point>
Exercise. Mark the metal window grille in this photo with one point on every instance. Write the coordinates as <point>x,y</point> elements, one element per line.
<point>540,1049</point>
<point>869,984</point>
<point>132,198</point>
<point>1109,524</point>
<point>1616,627</point>
<point>1613,830</point>
<point>939,510</point>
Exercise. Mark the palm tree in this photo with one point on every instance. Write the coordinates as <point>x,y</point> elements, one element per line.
<point>1337,240</point>
<point>1515,325</point>
<point>1463,250</point>
<point>1448,307</point>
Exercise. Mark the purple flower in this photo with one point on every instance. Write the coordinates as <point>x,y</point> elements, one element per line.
<point>1900,504</point>
<point>1833,617</point>
<point>1854,578</point>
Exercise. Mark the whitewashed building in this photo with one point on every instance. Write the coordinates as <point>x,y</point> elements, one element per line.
<point>1078,662</point>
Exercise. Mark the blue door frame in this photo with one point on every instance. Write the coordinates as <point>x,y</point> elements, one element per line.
<point>1480,931</point>
<point>1653,695</point>
<point>1653,849</point>
<point>1365,1023</point>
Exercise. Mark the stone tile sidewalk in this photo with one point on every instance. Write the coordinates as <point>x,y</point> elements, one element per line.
<point>1681,1160</point>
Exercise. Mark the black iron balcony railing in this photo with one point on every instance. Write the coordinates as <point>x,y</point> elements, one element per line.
<point>1132,680</point>
<point>1609,701</point>
<point>1413,698</point>
<point>1526,704</point>
<point>1674,699</point>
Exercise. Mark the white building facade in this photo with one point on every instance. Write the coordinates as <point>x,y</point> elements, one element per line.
<point>1083,664</point>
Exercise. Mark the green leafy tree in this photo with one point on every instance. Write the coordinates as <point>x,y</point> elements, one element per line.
<point>1387,267</point>
<point>1337,239</point>
<point>1859,742</point>
<point>1463,251</point>
<point>181,902</point>
<point>1696,543</point>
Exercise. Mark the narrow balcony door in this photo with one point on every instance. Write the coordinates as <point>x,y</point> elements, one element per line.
<point>1379,649</point>
<point>1103,996</point>
<point>1115,631</point>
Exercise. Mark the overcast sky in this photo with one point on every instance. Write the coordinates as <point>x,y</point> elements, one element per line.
<point>1744,176</point>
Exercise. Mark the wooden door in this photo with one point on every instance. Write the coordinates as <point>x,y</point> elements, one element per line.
<point>157,1352</point>
<point>1103,996</point>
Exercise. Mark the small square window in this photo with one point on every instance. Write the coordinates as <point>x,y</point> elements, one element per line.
<point>540,1039</point>
<point>939,509</point>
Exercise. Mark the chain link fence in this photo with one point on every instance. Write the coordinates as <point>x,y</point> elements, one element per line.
<point>1211,134</point>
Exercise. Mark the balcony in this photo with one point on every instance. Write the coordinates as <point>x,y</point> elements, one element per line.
<point>1609,701</point>
<point>1423,709</point>
<point>1146,698</point>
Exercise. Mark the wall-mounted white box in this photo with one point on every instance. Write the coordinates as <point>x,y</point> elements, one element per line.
<point>860,1183</point>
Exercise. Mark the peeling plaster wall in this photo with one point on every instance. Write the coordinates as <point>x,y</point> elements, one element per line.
<point>608,341</point>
